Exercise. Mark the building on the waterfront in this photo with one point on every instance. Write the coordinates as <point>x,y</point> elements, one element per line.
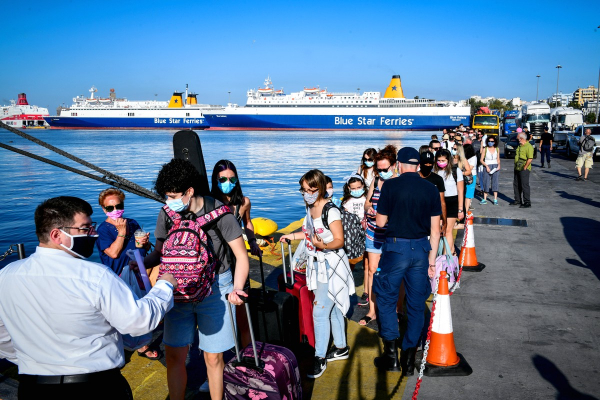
<point>589,107</point>
<point>516,101</point>
<point>563,98</point>
<point>581,95</point>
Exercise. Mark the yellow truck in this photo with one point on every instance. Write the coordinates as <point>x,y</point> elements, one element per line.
<point>488,124</point>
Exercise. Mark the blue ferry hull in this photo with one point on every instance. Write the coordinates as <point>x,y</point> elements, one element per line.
<point>333,122</point>
<point>125,123</point>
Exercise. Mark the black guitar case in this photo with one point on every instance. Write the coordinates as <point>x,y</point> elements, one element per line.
<point>186,146</point>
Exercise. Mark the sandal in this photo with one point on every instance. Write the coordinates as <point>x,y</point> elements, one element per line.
<point>149,350</point>
<point>366,319</point>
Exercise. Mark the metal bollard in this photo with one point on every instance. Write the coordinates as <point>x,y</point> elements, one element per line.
<point>21,250</point>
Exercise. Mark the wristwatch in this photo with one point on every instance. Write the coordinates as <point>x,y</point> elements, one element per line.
<point>460,211</point>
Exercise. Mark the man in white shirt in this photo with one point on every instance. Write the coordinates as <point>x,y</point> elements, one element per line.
<point>61,318</point>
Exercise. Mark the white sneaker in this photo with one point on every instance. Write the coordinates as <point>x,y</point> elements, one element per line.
<point>204,387</point>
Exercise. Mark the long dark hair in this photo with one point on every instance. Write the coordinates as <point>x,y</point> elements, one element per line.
<point>236,195</point>
<point>448,169</point>
<point>353,179</point>
<point>371,152</point>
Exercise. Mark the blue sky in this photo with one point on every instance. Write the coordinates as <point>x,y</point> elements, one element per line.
<point>442,50</point>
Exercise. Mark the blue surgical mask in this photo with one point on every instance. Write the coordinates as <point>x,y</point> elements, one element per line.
<point>177,204</point>
<point>386,175</point>
<point>453,152</point>
<point>369,164</point>
<point>357,193</point>
<point>311,198</point>
<point>226,187</point>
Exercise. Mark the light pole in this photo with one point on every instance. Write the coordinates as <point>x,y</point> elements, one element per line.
<point>558,67</point>
<point>538,87</point>
<point>229,93</point>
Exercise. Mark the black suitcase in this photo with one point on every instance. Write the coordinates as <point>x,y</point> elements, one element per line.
<point>274,315</point>
<point>186,146</point>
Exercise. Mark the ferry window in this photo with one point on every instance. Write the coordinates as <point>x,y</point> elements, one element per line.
<point>187,114</point>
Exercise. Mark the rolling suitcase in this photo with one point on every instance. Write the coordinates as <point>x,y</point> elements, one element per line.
<point>261,371</point>
<point>274,315</point>
<point>295,284</point>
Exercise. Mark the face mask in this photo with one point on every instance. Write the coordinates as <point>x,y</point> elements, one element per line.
<point>81,245</point>
<point>453,152</point>
<point>490,144</point>
<point>357,193</point>
<point>426,169</point>
<point>115,214</point>
<point>385,175</point>
<point>369,164</point>
<point>177,205</point>
<point>442,164</point>
<point>226,187</point>
<point>329,193</point>
<point>311,198</point>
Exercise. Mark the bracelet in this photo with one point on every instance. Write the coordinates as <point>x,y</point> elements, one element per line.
<point>431,265</point>
<point>121,236</point>
<point>460,211</point>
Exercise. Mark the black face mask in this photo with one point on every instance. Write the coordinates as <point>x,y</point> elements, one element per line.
<point>81,245</point>
<point>426,169</point>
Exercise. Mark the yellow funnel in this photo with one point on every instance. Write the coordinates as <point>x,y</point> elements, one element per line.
<point>191,99</point>
<point>394,90</point>
<point>176,100</point>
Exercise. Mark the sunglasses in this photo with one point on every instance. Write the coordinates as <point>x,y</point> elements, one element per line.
<point>119,206</point>
<point>367,159</point>
<point>383,169</point>
<point>224,179</point>
<point>436,148</point>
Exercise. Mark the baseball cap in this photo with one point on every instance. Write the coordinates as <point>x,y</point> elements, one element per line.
<point>427,158</point>
<point>408,155</point>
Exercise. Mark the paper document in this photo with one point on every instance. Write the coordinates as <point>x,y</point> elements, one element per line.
<point>493,171</point>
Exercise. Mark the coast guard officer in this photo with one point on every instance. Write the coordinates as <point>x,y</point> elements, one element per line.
<point>61,317</point>
<point>411,207</point>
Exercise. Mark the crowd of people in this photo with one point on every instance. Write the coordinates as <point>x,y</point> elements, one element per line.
<point>405,200</point>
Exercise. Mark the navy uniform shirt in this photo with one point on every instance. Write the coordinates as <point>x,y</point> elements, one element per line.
<point>409,202</point>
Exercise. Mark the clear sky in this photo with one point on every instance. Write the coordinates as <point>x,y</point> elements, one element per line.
<point>55,50</point>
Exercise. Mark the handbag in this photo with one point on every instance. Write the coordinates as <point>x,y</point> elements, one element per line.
<point>448,263</point>
<point>300,258</point>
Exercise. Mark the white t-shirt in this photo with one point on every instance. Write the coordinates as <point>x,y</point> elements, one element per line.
<point>369,178</point>
<point>325,234</point>
<point>449,182</point>
<point>473,163</point>
<point>356,206</point>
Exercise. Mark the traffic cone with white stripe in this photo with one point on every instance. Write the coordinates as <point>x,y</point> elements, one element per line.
<point>468,255</point>
<point>442,358</point>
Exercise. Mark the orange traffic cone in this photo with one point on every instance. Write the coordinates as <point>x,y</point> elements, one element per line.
<point>442,358</point>
<point>468,255</point>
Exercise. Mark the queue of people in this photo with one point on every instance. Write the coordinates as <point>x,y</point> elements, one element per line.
<point>405,200</point>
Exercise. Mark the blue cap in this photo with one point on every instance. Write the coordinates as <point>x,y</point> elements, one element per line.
<point>408,155</point>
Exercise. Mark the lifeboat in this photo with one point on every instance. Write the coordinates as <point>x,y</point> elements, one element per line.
<point>311,90</point>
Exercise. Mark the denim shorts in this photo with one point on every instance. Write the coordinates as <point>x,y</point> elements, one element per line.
<point>372,246</point>
<point>209,317</point>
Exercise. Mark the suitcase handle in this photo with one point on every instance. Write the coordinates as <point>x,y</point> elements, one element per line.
<point>258,365</point>
<point>262,274</point>
<point>291,265</point>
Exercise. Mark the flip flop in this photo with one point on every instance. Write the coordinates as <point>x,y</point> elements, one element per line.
<point>149,350</point>
<point>366,320</point>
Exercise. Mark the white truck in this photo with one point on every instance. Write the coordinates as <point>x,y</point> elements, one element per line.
<point>536,117</point>
<point>564,121</point>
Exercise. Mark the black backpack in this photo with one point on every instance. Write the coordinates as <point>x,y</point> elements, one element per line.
<point>354,234</point>
<point>588,144</point>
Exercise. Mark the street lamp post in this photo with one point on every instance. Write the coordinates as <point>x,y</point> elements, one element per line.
<point>558,67</point>
<point>229,93</point>
<point>538,87</point>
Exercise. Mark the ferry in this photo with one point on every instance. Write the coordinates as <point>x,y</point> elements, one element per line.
<point>317,109</point>
<point>19,114</point>
<point>119,113</point>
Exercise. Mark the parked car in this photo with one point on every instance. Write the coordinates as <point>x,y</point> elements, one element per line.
<point>573,140</point>
<point>511,144</point>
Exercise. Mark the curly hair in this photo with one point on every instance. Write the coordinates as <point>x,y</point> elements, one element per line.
<point>236,195</point>
<point>177,176</point>
<point>110,192</point>
<point>387,153</point>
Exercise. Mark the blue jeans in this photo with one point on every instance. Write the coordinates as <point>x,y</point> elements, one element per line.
<point>546,150</point>
<point>328,319</point>
<point>402,259</point>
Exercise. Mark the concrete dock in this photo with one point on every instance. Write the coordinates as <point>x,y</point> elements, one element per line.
<point>527,324</point>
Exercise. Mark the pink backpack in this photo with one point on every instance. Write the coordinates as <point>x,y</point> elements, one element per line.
<point>187,253</point>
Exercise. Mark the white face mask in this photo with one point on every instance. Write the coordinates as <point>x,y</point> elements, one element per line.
<point>329,193</point>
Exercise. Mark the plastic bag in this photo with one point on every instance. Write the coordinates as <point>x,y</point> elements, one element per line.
<point>448,263</point>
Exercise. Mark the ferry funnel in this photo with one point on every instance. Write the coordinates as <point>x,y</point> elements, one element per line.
<point>22,101</point>
<point>176,100</point>
<point>191,99</point>
<point>394,90</point>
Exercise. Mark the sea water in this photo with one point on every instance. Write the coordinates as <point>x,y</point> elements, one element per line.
<point>269,165</point>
